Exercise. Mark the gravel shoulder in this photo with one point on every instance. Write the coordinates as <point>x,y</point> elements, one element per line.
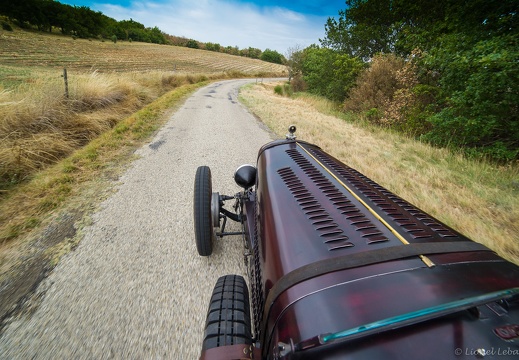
<point>135,286</point>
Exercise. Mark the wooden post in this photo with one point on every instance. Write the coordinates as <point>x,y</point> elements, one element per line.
<point>66,82</point>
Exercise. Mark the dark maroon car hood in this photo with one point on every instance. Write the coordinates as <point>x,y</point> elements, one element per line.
<point>330,211</point>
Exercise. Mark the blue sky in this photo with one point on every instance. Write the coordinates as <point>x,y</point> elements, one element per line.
<point>276,25</point>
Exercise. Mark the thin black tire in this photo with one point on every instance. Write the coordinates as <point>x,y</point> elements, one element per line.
<point>228,318</point>
<point>204,234</point>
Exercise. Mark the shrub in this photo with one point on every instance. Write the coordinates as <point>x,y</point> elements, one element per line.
<point>478,96</point>
<point>298,84</point>
<point>413,102</point>
<point>193,44</point>
<point>329,73</point>
<point>283,90</point>
<point>114,39</point>
<point>272,56</point>
<point>287,90</point>
<point>375,86</point>
<point>6,26</point>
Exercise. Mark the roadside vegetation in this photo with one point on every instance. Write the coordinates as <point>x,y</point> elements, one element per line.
<point>28,204</point>
<point>477,198</point>
<point>39,125</point>
<point>445,73</point>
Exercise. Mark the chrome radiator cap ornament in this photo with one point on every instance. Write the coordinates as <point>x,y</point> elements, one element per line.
<point>291,132</point>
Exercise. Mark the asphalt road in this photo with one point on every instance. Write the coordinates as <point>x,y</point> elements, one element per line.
<point>135,287</point>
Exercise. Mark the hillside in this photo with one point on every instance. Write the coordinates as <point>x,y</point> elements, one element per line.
<point>24,53</point>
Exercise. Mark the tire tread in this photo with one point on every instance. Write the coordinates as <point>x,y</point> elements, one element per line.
<point>228,317</point>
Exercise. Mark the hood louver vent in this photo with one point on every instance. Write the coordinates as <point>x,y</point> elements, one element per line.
<point>419,226</point>
<point>355,217</point>
<point>318,216</point>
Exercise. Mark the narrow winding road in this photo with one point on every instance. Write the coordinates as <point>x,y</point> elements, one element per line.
<point>135,287</point>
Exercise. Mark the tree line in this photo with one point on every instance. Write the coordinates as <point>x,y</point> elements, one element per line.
<point>82,22</point>
<point>267,55</point>
<point>77,21</point>
<point>445,71</point>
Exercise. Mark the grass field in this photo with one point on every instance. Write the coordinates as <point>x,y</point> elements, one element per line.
<point>478,199</point>
<point>25,55</point>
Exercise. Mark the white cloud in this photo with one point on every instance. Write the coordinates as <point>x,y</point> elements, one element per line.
<point>224,21</point>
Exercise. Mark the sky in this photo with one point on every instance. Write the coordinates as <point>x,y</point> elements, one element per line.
<point>276,25</point>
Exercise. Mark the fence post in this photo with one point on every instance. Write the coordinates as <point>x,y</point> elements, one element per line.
<point>66,82</point>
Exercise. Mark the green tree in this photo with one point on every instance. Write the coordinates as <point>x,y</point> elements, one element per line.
<point>363,29</point>
<point>213,46</point>
<point>469,65</point>
<point>193,44</point>
<point>156,36</point>
<point>272,56</point>
<point>329,73</point>
<point>479,94</point>
<point>254,53</point>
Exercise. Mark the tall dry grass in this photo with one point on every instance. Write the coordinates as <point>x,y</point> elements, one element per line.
<point>478,199</point>
<point>39,125</point>
<point>30,205</point>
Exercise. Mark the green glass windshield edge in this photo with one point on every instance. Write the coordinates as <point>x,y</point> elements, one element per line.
<point>416,316</point>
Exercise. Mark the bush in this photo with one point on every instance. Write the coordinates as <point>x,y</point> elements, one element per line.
<point>329,73</point>
<point>272,56</point>
<point>375,86</point>
<point>298,84</point>
<point>6,26</point>
<point>114,39</point>
<point>478,104</point>
<point>193,44</point>
<point>283,90</point>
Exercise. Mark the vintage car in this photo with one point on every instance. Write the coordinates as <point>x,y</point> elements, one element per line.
<point>341,268</point>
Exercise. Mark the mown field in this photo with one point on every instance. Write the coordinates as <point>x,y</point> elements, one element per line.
<point>26,54</point>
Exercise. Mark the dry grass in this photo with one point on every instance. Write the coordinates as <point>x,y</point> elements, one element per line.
<point>28,205</point>
<point>40,126</point>
<point>26,52</point>
<point>107,81</point>
<point>478,199</point>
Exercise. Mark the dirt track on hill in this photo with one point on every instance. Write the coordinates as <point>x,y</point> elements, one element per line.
<point>135,286</point>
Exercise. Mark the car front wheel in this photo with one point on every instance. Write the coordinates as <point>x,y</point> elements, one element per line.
<point>202,212</point>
